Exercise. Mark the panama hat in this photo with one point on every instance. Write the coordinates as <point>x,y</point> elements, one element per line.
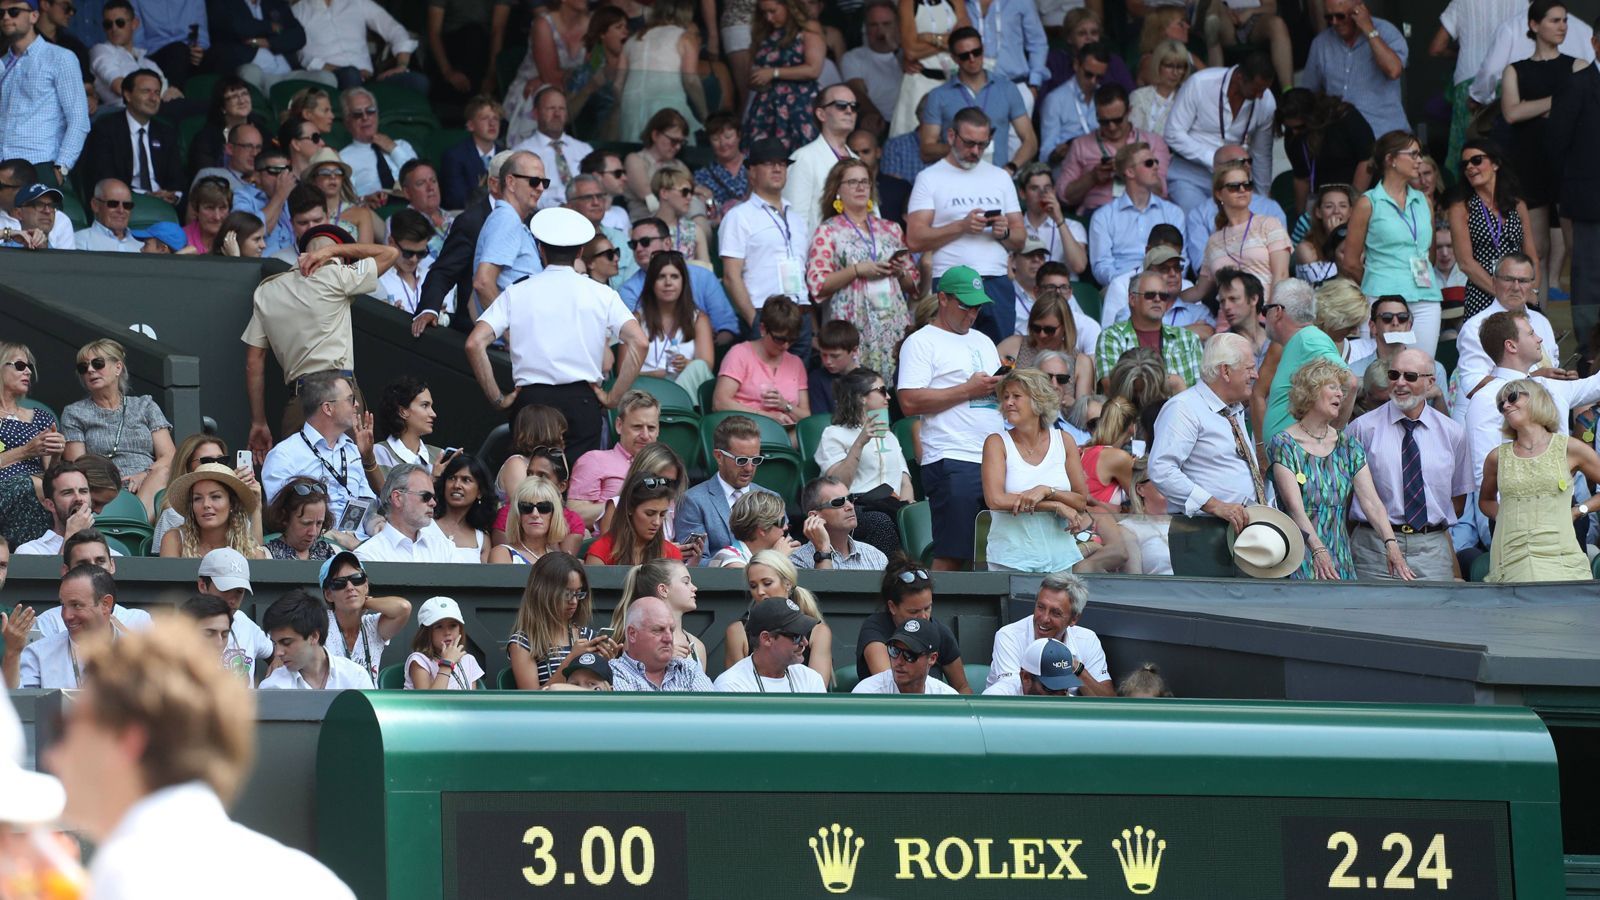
<point>1270,545</point>
<point>213,472</point>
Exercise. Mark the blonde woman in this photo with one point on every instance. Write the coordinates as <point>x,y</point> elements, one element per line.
<point>1341,308</point>
<point>1242,240</point>
<point>1149,106</point>
<point>771,574</point>
<point>670,580</point>
<point>674,192</point>
<point>535,526</point>
<point>29,439</point>
<point>758,522</point>
<point>217,505</point>
<point>552,625</point>
<point>131,431</point>
<point>331,176</point>
<point>1168,23</point>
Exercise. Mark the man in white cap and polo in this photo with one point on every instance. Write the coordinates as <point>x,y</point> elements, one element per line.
<point>561,324</point>
<point>1047,670</point>
<point>225,573</point>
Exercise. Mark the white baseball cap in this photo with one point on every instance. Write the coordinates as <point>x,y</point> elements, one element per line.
<point>26,797</point>
<point>227,569</point>
<point>437,609</point>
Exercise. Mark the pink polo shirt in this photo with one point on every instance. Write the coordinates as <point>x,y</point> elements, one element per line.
<point>598,475</point>
<point>1086,151</point>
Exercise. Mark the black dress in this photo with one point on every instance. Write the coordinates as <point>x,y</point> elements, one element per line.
<point>1486,251</point>
<point>1536,80</point>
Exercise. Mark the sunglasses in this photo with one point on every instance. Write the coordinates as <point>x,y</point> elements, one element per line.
<point>1510,398</point>
<point>116,204</point>
<point>97,364</point>
<point>109,24</point>
<point>424,496</point>
<point>686,191</point>
<point>586,198</point>
<point>543,450</point>
<point>835,503</point>
<point>15,12</point>
<point>655,482</point>
<point>913,576</point>
<point>1410,377</point>
<point>784,339</point>
<point>22,365</point>
<point>1331,18</point>
<point>903,653</point>
<point>533,180</point>
<point>344,581</point>
<point>301,489</point>
<point>614,173</point>
<point>1113,120</point>
<point>1236,187</point>
<point>1151,163</point>
<point>1474,161</point>
<point>413,254</point>
<point>742,461</point>
<point>1268,307</point>
<point>880,389</point>
<point>223,460</point>
<point>1046,330</point>
<point>636,243</point>
<point>543,508</point>
<point>970,54</point>
<point>328,173</point>
<point>1064,378</point>
<point>797,638</point>
<point>1163,296</point>
<point>363,112</point>
<point>847,105</point>
<point>314,137</point>
<point>612,255</point>
<point>1389,318</point>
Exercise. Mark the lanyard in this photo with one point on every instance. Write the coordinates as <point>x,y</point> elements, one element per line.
<point>1496,225</point>
<point>1409,216</point>
<point>457,677</point>
<point>344,464</point>
<point>116,442</point>
<point>1305,153</point>
<point>366,649</point>
<point>761,681</point>
<point>1244,236</point>
<point>1077,107</point>
<point>1222,100</point>
<point>870,239</point>
<point>782,223</point>
<point>408,295</point>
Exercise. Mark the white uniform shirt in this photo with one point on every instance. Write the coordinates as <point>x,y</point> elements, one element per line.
<point>1011,641</point>
<point>951,193</point>
<point>1484,419</point>
<point>151,854</point>
<point>740,678</point>
<point>807,174</point>
<point>561,324</point>
<point>342,675</point>
<point>50,622</point>
<point>934,358</point>
<point>884,683</point>
<point>572,149</point>
<point>336,33</point>
<point>767,239</point>
<point>389,545</point>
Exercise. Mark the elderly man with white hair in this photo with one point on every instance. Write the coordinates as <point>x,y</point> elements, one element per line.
<point>1057,607</point>
<point>1201,458</point>
<point>649,660</point>
<point>1290,310</point>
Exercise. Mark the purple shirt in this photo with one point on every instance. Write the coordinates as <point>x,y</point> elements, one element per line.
<point>1446,464</point>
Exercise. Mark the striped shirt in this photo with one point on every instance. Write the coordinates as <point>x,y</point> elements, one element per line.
<point>44,115</point>
<point>547,665</point>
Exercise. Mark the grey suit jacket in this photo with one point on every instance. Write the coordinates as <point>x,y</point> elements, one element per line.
<point>704,507</point>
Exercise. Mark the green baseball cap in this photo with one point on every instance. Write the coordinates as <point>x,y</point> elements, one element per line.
<point>964,284</point>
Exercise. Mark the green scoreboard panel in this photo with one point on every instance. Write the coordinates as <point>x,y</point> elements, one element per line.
<point>678,797</point>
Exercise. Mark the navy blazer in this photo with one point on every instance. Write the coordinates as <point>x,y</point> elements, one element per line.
<point>232,28</point>
<point>704,507</point>
<point>1574,124</point>
<point>460,172</point>
<point>453,266</point>
<point>108,153</point>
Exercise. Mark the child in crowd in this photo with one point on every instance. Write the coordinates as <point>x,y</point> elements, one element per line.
<point>838,342</point>
<point>439,660</point>
<point>589,672</point>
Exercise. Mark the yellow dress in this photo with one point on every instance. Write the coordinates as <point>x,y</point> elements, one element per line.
<point>1533,536</point>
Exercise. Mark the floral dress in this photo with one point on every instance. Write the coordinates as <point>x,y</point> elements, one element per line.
<point>877,308</point>
<point>14,433</point>
<point>684,235</point>
<point>783,110</point>
<point>1326,483</point>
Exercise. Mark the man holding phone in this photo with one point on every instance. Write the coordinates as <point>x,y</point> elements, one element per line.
<point>965,212</point>
<point>1088,174</point>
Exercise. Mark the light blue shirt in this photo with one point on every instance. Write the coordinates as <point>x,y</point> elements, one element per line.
<point>708,295</point>
<point>1013,36</point>
<point>1064,115</point>
<point>164,22</point>
<point>99,237</point>
<point>253,200</point>
<point>1195,454</point>
<point>998,99</point>
<point>1351,73</point>
<point>1118,232</point>
<point>1395,237</point>
<point>338,467</point>
<point>1201,222</point>
<point>42,105</point>
<point>506,242</point>
<point>626,267</point>
<point>363,162</point>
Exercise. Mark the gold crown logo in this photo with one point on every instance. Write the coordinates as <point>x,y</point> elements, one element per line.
<point>1140,854</point>
<point>837,851</point>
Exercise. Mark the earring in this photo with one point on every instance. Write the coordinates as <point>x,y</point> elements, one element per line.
<point>838,205</point>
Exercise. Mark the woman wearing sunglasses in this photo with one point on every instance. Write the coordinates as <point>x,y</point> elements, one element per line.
<point>301,515</point>
<point>761,377</point>
<point>771,574</point>
<point>1527,490</point>
<point>28,434</point>
<point>331,175</point>
<point>1051,328</point>
<point>638,530</point>
<point>130,431</point>
<point>466,507</point>
<point>663,136</point>
<point>674,192</point>
<point>219,506</point>
<point>907,593</point>
<point>360,625</point>
<point>1488,219</point>
<point>301,139</point>
<point>758,522</point>
<point>1242,240</point>
<point>537,525</point>
<point>536,431</point>
<point>601,259</point>
<point>552,625</point>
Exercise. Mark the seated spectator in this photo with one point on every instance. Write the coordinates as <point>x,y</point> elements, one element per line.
<point>195,451</point>
<point>760,377</point>
<point>419,184</point>
<point>359,625</point>
<point>300,137</point>
<point>209,202</point>
<point>681,344</point>
<point>663,137</point>
<point>1258,244</point>
<point>1057,607</point>
<point>1069,109</point>
<point>231,108</point>
<point>1201,461</point>
<point>589,671</point>
<point>912,651</point>
<point>1051,327</point>
<point>1107,466</point>
<point>670,581</point>
<point>771,574</point>
<point>217,503</point>
<point>241,234</point>
<point>71,493</point>
<point>674,190</point>
<point>758,522</point>
<point>637,534</point>
<point>155,168</point>
<point>1148,106</point>
<point>907,593</point>
<point>323,448</point>
<point>1148,305</point>
<point>409,233</point>
<point>260,41</point>
<point>838,346</point>
<point>410,533</point>
<point>337,42</point>
<point>405,415</point>
<point>35,215</point>
<point>1116,228</point>
<point>650,236</point>
<point>1047,669</point>
<point>297,627</point>
<point>1392,315</point>
<point>113,207</point>
<point>88,547</point>
<point>1239,309</point>
<point>1331,209</point>
<point>649,660</point>
<point>830,522</point>
<point>537,525</point>
<point>1114,301</point>
<point>1088,170</point>
<point>777,632</point>
<point>212,618</point>
<point>1074,412</point>
<point>1140,378</point>
<point>861,450</point>
<point>225,574</point>
<point>164,239</point>
<point>113,59</point>
<point>598,475</point>
<point>87,594</point>
<point>704,508</point>
<point>439,660</point>
<point>301,516</point>
<point>330,174</point>
<point>552,625</point>
<point>536,430</point>
<point>600,258</point>
<point>662,461</point>
<point>725,176</point>
<point>100,424</point>
<point>465,505</point>
<point>464,165</point>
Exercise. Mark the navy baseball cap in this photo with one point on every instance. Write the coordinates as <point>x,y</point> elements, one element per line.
<point>36,190</point>
<point>1050,661</point>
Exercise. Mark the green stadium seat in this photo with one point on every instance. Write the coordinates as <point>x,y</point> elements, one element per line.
<point>1480,568</point>
<point>916,530</point>
<point>703,396</point>
<point>506,680</point>
<point>124,518</point>
<point>148,210</point>
<point>441,140</point>
<point>187,129</point>
<point>282,92</point>
<point>977,674</point>
<point>1088,297</point>
<point>810,431</point>
<point>782,473</point>
<point>771,433</point>
<point>681,432</point>
<point>337,137</point>
<point>31,403</point>
<point>418,134</point>
<point>1282,193</point>
<point>394,101</point>
<point>670,394</point>
<point>902,429</point>
<point>119,547</point>
<point>980,541</point>
<point>392,678</point>
<point>845,679</point>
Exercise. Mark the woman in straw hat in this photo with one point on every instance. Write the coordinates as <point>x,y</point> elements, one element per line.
<point>216,505</point>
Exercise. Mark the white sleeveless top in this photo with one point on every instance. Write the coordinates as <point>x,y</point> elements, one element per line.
<point>1051,471</point>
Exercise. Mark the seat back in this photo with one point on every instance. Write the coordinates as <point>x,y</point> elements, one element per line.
<point>392,678</point>
<point>782,472</point>
<point>916,530</point>
<point>670,395</point>
<point>810,431</point>
<point>771,433</point>
<point>1088,297</point>
<point>845,679</point>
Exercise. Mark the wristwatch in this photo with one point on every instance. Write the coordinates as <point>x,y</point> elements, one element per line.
<point>817,556</point>
<point>1373,34</point>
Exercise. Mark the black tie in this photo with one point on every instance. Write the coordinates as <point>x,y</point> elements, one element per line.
<point>144,164</point>
<point>385,177</point>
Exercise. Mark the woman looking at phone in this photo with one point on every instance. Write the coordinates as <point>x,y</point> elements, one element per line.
<point>552,624</point>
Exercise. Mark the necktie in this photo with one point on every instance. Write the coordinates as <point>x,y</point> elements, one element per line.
<point>144,164</point>
<point>562,171</point>
<point>1414,491</point>
<point>1242,446</point>
<point>385,175</point>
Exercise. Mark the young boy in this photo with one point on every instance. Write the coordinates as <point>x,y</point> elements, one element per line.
<point>297,624</point>
<point>590,671</point>
<point>402,285</point>
<point>837,341</point>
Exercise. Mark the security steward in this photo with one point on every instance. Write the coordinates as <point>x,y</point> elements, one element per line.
<point>561,324</point>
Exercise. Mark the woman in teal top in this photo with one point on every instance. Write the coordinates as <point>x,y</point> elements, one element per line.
<point>1394,225</point>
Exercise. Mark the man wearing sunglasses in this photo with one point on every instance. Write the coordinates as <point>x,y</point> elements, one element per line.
<point>1513,290</point>
<point>1148,305</point>
<point>1087,173</point>
<point>1069,110</point>
<point>506,252</point>
<point>778,633</point>
<point>42,102</point>
<point>1118,229</point>
<point>113,206</point>
<point>835,110</point>
<point>704,508</point>
<point>1391,315</point>
<point>452,269</point>
<point>560,152</point>
<point>411,534</point>
<point>830,520</point>
<point>972,86</point>
<point>374,157</point>
<point>649,236</point>
<point>118,56</point>
<point>912,652</point>
<point>1360,58</point>
<point>1057,607</point>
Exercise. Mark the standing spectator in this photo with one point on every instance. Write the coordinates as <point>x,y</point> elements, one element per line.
<point>1290,319</point>
<point>1088,170</point>
<point>466,506</point>
<point>297,627</point>
<point>1393,223</point>
<point>1068,111</point>
<point>1201,221</point>
<point>452,268</point>
<point>1148,304</point>
<point>301,515</point>
<point>42,100</point>
<point>894,192</point>
<point>649,237</point>
<point>859,269</point>
<point>410,533</point>
<point>1327,141</point>
<point>1241,239</point>
<point>681,346</point>
<point>360,626</point>
<point>439,659</point>
<point>557,362</point>
<point>142,453</point>
<point>1489,220</point>
<point>374,157</point>
<point>113,207</point>
<point>761,377</point>
<point>559,151</point>
<point>1516,349</point>
<point>54,25</point>
<point>1057,608</point>
<point>552,624</point>
<point>1466,29</point>
<point>811,165</point>
<point>1149,106</point>
<point>1202,461</point>
<point>997,98</point>
<point>1360,59</point>
<point>1514,289</point>
<point>1017,54</point>
<point>945,377</point>
<point>763,241</point>
<point>726,176</point>
<point>558,42</point>
<point>944,219</point>
<point>218,505</point>
<point>649,661</point>
<point>336,41</point>
<point>464,165</point>
<point>1572,128</point>
<point>136,148</point>
<point>260,40</point>
<point>464,43</point>
<point>1116,228</point>
<point>597,476</point>
<point>784,68</point>
<point>506,251</point>
<point>118,56</point>
<point>1419,465</point>
<point>778,634</point>
<point>660,76</point>
<point>1195,130</point>
<point>925,30</point>
<point>873,70</point>
<point>176,34</point>
<point>28,433</point>
<point>705,508</point>
<point>596,82</point>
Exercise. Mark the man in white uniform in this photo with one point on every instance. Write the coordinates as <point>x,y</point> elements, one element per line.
<point>778,633</point>
<point>1056,610</point>
<point>912,652</point>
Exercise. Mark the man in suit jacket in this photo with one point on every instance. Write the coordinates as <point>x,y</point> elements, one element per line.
<point>453,266</point>
<point>464,165</point>
<point>155,168</point>
<point>237,35</point>
<point>705,507</point>
<point>1573,133</point>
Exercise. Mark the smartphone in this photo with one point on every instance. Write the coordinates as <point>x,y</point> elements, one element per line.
<point>449,451</point>
<point>244,459</point>
<point>991,214</point>
<point>355,511</point>
<point>695,536</point>
<point>608,633</point>
<point>1004,370</point>
<point>1138,447</point>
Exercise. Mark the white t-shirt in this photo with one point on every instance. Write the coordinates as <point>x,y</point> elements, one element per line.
<point>883,683</point>
<point>342,675</point>
<point>561,324</point>
<point>49,622</point>
<point>466,674</point>
<point>952,193</point>
<point>740,678</point>
<point>1009,685</point>
<point>772,244</point>
<point>1013,639</point>
<point>935,358</point>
